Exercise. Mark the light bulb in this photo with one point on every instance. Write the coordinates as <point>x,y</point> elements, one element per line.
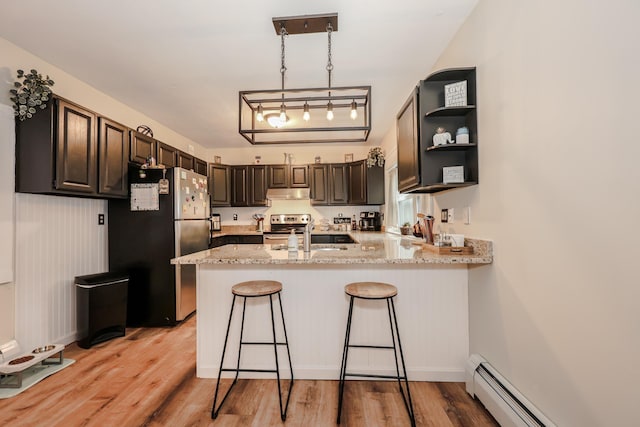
<point>306,116</point>
<point>354,111</point>
<point>260,114</point>
<point>283,115</point>
<point>329,111</point>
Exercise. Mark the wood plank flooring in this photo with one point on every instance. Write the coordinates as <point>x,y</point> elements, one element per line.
<point>147,378</point>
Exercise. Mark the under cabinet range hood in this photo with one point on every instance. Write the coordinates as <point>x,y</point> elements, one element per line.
<point>288,194</point>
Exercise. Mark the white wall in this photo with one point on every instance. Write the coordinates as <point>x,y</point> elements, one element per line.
<point>557,312</point>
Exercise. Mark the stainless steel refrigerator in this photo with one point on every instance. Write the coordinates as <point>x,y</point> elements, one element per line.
<point>166,216</point>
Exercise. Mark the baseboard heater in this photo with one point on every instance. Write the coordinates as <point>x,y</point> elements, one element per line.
<point>507,405</point>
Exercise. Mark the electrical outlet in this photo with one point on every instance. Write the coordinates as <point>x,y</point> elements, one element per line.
<point>235,217</point>
<point>444,215</point>
<point>467,215</point>
<point>100,219</point>
<point>451,218</point>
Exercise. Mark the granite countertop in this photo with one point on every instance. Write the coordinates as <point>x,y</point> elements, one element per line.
<point>372,248</point>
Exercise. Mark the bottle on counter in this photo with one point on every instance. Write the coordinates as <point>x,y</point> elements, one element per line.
<point>292,241</point>
<point>354,224</point>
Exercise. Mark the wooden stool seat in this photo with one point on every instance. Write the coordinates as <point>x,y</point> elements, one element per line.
<point>256,288</point>
<point>371,290</point>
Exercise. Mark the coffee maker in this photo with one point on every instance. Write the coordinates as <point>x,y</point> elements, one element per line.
<point>370,221</point>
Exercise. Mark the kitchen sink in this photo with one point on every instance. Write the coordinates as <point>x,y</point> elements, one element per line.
<point>329,248</point>
<point>314,247</point>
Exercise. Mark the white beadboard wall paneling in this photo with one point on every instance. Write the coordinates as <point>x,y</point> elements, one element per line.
<point>57,239</point>
<point>432,310</point>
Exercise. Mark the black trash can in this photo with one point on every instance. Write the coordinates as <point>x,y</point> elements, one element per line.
<point>101,303</point>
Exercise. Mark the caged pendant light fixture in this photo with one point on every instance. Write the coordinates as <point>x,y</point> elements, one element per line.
<point>305,115</point>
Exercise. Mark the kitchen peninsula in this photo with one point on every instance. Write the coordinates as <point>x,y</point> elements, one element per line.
<point>431,305</point>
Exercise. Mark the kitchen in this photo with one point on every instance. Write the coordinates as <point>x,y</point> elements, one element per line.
<point>556,311</point>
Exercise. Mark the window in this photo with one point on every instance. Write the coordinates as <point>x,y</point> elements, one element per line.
<point>400,208</point>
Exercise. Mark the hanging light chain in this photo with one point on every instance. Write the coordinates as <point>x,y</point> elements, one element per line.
<point>329,63</point>
<point>283,68</point>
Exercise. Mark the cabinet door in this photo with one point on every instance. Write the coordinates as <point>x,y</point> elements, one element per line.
<point>357,183</point>
<point>167,155</point>
<point>318,183</point>
<point>76,149</point>
<point>257,185</point>
<point>220,185</point>
<point>201,166</point>
<point>142,146</point>
<point>299,176</point>
<point>407,134</point>
<point>186,160</point>
<point>278,176</point>
<point>338,184</point>
<point>113,158</point>
<point>239,195</point>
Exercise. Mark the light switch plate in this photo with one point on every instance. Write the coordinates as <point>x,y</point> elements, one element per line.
<point>451,216</point>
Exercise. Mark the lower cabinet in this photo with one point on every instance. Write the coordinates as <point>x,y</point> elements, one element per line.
<point>242,239</point>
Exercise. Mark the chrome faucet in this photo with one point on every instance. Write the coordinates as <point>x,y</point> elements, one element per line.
<point>306,242</point>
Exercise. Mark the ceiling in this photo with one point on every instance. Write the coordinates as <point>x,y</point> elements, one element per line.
<point>183,63</point>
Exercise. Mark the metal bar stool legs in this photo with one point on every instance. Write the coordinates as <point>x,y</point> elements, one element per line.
<point>368,290</point>
<point>247,294</point>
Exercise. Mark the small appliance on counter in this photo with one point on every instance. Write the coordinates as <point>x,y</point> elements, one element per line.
<point>370,221</point>
<point>216,225</point>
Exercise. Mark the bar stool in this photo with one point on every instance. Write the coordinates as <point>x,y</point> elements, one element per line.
<point>375,291</point>
<point>255,289</point>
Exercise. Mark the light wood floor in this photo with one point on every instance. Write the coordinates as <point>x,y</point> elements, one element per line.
<point>148,379</point>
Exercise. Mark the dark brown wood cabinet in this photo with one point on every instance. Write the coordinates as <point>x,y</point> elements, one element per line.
<point>113,158</point>
<point>76,149</point>
<point>200,166</point>
<point>278,176</point>
<point>319,184</point>
<point>299,176</point>
<point>420,161</point>
<point>288,176</point>
<point>366,185</point>
<point>166,155</point>
<point>219,185</point>
<point>142,146</point>
<point>258,185</point>
<point>57,153</point>
<point>239,186</point>
<point>338,184</point>
<point>186,160</point>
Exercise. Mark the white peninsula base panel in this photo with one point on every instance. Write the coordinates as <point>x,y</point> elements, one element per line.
<point>431,306</point>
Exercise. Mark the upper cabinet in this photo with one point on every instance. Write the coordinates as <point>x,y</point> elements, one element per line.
<point>186,160</point>
<point>220,185</point>
<point>422,162</point>
<point>142,146</point>
<point>288,176</point>
<point>200,166</point>
<point>166,155</point>
<point>58,152</point>
<point>366,185</point>
<point>113,158</point>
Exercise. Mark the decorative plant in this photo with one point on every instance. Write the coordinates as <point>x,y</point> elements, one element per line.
<point>375,157</point>
<point>30,94</point>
